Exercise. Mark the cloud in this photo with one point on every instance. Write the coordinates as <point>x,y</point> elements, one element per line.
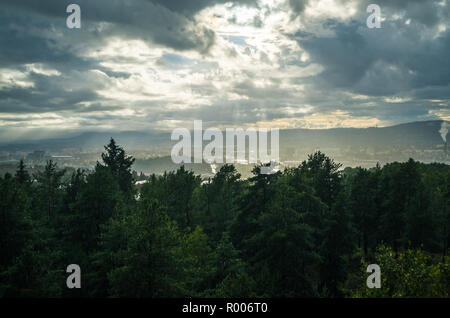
<point>379,62</point>
<point>297,6</point>
<point>147,20</point>
<point>158,64</point>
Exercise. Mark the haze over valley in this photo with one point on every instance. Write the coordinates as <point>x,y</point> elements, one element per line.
<point>422,141</point>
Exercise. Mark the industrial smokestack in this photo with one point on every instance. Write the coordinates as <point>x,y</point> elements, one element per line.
<point>444,131</point>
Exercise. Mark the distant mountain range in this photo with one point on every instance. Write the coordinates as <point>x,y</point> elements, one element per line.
<point>94,141</point>
<point>425,134</point>
<point>422,141</point>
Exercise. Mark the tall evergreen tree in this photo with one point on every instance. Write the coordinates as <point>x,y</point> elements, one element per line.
<point>22,175</point>
<point>49,188</point>
<point>120,164</point>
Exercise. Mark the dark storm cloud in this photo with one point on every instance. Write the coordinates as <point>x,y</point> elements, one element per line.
<point>297,6</point>
<point>433,92</point>
<point>22,41</point>
<point>24,100</point>
<point>51,94</point>
<point>382,61</point>
<point>167,23</point>
<point>346,55</point>
<point>191,7</point>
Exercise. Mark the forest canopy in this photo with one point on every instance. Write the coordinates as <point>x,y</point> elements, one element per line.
<point>308,231</point>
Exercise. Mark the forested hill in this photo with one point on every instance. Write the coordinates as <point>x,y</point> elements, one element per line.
<point>308,231</point>
<point>419,134</point>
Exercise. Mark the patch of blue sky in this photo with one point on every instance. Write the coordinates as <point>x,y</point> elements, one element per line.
<point>177,59</point>
<point>238,40</point>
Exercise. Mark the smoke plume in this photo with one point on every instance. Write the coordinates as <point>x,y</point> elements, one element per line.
<point>444,130</point>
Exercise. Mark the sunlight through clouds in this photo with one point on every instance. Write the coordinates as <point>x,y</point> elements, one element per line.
<point>293,63</point>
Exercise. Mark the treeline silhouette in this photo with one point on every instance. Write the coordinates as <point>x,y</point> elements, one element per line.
<point>308,231</point>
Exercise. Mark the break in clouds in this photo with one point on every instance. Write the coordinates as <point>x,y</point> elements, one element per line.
<point>161,64</point>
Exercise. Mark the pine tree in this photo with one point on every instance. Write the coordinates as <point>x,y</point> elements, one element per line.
<point>22,175</point>
<point>120,164</point>
<point>49,188</point>
<point>325,175</point>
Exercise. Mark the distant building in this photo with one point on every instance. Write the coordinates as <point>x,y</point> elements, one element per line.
<point>62,157</point>
<point>37,155</point>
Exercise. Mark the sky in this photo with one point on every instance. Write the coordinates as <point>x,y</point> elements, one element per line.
<point>161,64</point>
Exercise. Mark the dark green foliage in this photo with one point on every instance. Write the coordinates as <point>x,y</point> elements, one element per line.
<point>22,175</point>
<point>142,252</point>
<point>412,273</point>
<point>308,231</point>
<point>325,176</point>
<point>49,191</point>
<point>174,190</point>
<point>15,223</point>
<point>364,205</point>
<point>94,205</point>
<point>337,247</point>
<point>216,202</point>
